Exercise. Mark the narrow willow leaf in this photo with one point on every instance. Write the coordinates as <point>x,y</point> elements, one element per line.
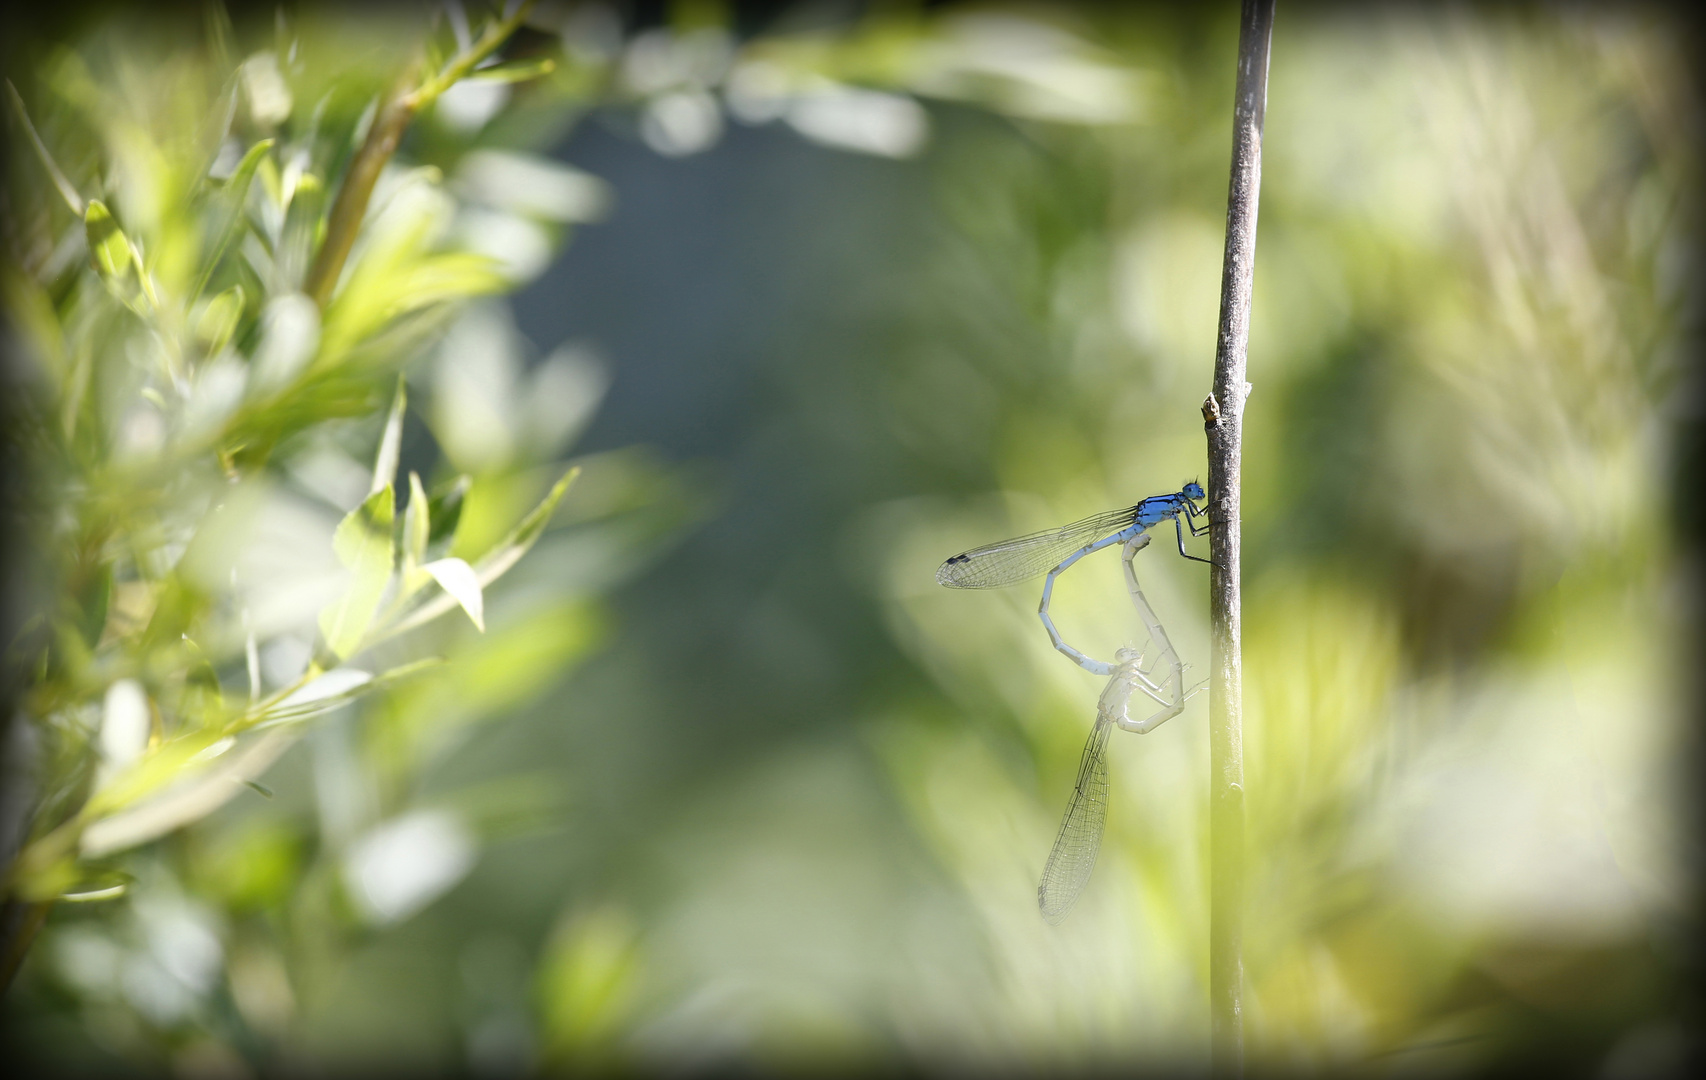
<point>458,579</point>
<point>515,70</point>
<point>105,885</point>
<point>417,525</point>
<point>363,543</point>
<point>308,703</point>
<point>454,275</point>
<point>509,551</point>
<point>391,443</point>
<point>159,767</point>
<point>107,244</point>
<point>495,562</point>
<point>184,799</point>
<point>445,506</point>
<point>218,320</point>
<point>66,190</point>
<point>234,194</point>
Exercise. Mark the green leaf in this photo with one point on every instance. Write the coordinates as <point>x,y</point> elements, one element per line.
<point>417,524</point>
<point>515,70</point>
<point>508,551</point>
<point>66,190</point>
<point>374,296</point>
<point>445,506</point>
<point>391,443</point>
<point>457,578</point>
<point>218,320</point>
<point>503,555</point>
<point>363,544</point>
<point>437,278</point>
<point>108,246</point>
<point>234,194</point>
<point>100,885</point>
<point>296,708</point>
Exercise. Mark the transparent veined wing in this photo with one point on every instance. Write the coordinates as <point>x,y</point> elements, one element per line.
<point>1025,557</point>
<point>1074,853</point>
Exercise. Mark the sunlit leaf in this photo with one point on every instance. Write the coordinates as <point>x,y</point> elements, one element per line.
<point>233,195</point>
<point>108,247</point>
<point>102,885</point>
<point>458,579</point>
<point>363,544</point>
<point>347,684</point>
<point>136,809</point>
<point>161,765</point>
<point>499,559</point>
<point>218,320</point>
<point>391,442</point>
<point>510,550</point>
<point>434,280</point>
<point>417,524</point>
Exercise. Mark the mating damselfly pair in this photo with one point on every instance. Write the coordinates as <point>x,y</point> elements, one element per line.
<point>1156,671</point>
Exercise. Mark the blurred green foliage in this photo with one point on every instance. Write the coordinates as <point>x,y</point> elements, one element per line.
<point>215,576</point>
<point>1462,641</point>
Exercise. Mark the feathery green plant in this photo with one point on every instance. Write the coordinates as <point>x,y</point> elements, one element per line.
<point>213,265</point>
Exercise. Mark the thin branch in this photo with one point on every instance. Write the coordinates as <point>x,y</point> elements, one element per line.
<point>496,34</point>
<point>1223,420</point>
<point>390,120</point>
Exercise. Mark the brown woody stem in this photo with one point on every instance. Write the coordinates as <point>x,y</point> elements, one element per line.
<point>1223,418</point>
<point>395,111</point>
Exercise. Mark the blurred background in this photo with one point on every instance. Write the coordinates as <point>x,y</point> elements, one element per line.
<point>821,294</point>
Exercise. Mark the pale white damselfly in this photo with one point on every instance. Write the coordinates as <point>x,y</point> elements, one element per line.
<point>1024,557</point>
<point>1157,673</point>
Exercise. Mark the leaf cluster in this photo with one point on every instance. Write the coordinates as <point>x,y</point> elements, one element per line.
<point>160,250</point>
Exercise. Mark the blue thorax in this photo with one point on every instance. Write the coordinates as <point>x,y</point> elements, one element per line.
<point>1158,508</point>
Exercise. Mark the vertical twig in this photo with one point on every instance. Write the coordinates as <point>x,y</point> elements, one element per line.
<point>391,118</point>
<point>395,111</point>
<point>1223,416</point>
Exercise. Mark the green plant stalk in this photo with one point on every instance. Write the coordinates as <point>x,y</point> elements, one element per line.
<point>390,120</point>
<point>1223,419</point>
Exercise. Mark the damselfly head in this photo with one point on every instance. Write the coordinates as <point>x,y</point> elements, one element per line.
<point>1193,491</point>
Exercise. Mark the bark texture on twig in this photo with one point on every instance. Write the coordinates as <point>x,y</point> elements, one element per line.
<point>1223,416</point>
<point>395,111</point>
<point>390,121</point>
